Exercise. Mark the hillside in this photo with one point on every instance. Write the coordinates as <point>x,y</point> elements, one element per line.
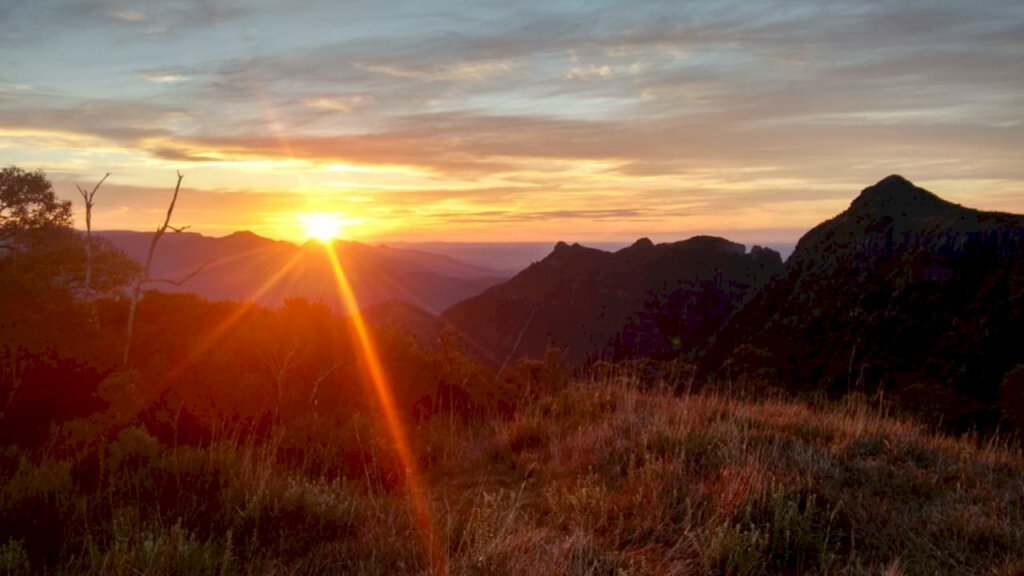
<point>247,267</point>
<point>903,291</point>
<point>643,300</point>
<point>604,476</point>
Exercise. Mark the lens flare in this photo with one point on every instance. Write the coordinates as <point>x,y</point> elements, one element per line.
<point>396,429</point>
<point>211,339</point>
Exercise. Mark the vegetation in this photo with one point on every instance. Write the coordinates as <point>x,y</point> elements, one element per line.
<point>242,440</point>
<point>607,475</point>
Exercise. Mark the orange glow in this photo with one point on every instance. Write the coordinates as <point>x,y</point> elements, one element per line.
<point>214,336</point>
<point>322,227</point>
<point>378,376</point>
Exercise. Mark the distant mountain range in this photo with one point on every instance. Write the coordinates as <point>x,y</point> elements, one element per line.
<point>902,292</point>
<point>247,267</point>
<point>513,257</point>
<point>646,299</point>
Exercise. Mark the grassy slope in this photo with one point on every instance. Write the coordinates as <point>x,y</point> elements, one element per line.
<point>603,477</point>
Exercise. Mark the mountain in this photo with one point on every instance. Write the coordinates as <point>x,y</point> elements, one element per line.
<point>247,267</point>
<point>642,300</point>
<point>903,291</point>
<point>513,257</point>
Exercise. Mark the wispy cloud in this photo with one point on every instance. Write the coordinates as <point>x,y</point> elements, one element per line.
<point>458,71</point>
<point>129,16</point>
<point>509,114</point>
<point>163,77</point>
<point>346,103</point>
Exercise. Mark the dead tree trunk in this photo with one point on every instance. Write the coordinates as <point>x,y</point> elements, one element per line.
<point>88,197</point>
<point>145,278</point>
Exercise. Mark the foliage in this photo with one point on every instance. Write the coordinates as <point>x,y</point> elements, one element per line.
<point>49,339</point>
<point>28,204</point>
<point>610,475</point>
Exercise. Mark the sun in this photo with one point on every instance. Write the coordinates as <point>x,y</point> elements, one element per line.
<point>321,226</point>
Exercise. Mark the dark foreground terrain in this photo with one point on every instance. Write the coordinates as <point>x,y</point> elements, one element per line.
<point>607,475</point>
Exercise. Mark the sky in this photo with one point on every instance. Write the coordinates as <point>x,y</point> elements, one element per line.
<point>512,121</point>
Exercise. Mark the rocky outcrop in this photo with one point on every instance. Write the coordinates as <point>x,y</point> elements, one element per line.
<point>903,291</point>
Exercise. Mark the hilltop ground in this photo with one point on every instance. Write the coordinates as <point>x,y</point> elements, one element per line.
<point>610,474</point>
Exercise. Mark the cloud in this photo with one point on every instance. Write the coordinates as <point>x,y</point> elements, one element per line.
<point>345,104</point>
<point>129,16</point>
<point>523,108</point>
<point>588,72</point>
<point>507,216</point>
<point>454,72</point>
<point>124,122</point>
<point>163,77</point>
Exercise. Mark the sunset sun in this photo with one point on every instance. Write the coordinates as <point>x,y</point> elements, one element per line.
<point>321,226</point>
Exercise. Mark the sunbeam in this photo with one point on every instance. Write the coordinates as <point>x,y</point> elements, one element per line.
<point>210,339</point>
<point>382,388</point>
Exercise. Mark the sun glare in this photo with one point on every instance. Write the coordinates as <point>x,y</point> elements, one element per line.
<point>321,226</point>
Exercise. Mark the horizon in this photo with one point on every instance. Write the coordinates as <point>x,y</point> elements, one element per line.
<point>596,243</point>
<point>512,123</point>
<point>505,258</point>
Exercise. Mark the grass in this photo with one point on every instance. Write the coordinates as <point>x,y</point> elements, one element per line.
<point>608,475</point>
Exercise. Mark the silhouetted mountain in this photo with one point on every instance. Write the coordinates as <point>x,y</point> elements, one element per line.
<point>247,267</point>
<point>904,291</point>
<point>643,300</point>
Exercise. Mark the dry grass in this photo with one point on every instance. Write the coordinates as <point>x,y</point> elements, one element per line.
<point>605,476</point>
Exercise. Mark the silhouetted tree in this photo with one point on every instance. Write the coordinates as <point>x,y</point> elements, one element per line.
<point>41,252</point>
<point>28,207</point>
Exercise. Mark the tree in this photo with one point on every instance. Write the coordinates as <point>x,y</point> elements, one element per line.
<point>41,256</point>
<point>43,263</point>
<point>28,207</point>
<point>36,238</point>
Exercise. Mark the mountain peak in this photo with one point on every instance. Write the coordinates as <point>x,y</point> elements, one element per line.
<point>891,186</point>
<point>894,195</point>
<point>713,244</point>
<point>243,234</point>
<point>566,248</point>
<point>895,180</point>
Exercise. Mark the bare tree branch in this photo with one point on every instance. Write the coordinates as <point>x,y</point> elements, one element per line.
<point>182,280</point>
<point>318,381</point>
<point>88,197</point>
<point>145,277</point>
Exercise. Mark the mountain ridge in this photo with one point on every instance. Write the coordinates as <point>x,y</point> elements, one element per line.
<point>244,266</point>
<point>597,303</point>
